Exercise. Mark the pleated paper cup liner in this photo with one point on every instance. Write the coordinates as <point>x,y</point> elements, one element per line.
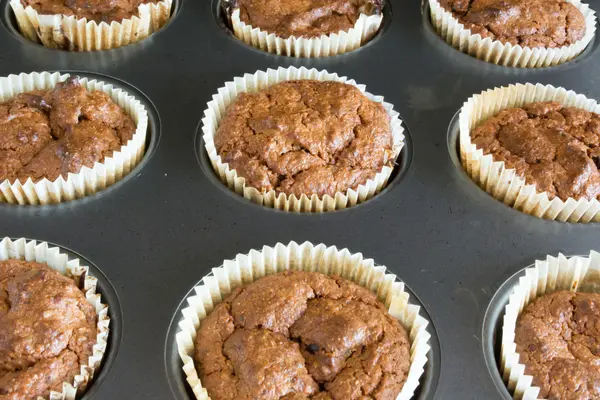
<point>364,29</point>
<point>262,80</point>
<point>88,180</point>
<point>79,34</point>
<point>575,274</point>
<point>247,268</point>
<point>42,252</point>
<point>504,183</point>
<point>506,54</point>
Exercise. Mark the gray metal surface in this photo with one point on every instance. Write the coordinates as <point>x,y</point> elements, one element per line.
<point>156,234</point>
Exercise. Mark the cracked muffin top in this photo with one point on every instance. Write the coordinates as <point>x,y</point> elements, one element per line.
<point>556,148</point>
<point>49,133</point>
<point>47,330</point>
<point>305,137</point>
<point>529,23</point>
<point>93,10</point>
<point>304,18</point>
<point>558,340</point>
<point>302,335</point>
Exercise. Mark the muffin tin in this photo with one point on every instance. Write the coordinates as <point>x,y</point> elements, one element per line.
<point>157,232</point>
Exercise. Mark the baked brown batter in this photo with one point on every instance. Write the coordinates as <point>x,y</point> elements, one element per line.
<point>530,23</point>
<point>47,330</point>
<point>305,18</point>
<point>305,137</point>
<point>558,340</point>
<point>49,133</point>
<point>301,335</point>
<point>554,147</point>
<point>93,10</point>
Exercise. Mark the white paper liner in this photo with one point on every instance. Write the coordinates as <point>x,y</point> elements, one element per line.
<point>576,274</point>
<point>506,54</point>
<point>71,33</point>
<point>503,183</point>
<point>261,80</point>
<point>88,180</point>
<point>364,29</point>
<point>42,252</point>
<point>246,268</point>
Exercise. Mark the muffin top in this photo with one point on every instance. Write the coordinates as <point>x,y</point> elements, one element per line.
<point>552,146</point>
<point>558,340</point>
<point>47,330</point>
<point>49,133</point>
<point>93,10</point>
<point>305,137</point>
<point>529,23</point>
<point>302,335</point>
<point>304,18</point>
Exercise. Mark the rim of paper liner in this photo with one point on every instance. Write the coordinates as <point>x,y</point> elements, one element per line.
<point>42,252</point>
<point>79,34</point>
<point>575,274</point>
<point>504,183</point>
<point>364,29</point>
<point>246,268</point>
<point>89,180</point>
<point>506,54</point>
<point>261,80</point>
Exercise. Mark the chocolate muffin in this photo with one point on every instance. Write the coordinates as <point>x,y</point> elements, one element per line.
<point>550,145</point>
<point>94,10</point>
<point>305,137</point>
<point>529,23</point>
<point>558,340</point>
<point>47,330</point>
<point>50,133</point>
<point>304,18</point>
<point>302,335</point>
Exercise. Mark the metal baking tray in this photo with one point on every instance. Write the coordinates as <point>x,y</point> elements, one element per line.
<point>156,233</point>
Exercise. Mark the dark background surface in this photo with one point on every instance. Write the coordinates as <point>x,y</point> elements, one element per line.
<point>159,232</point>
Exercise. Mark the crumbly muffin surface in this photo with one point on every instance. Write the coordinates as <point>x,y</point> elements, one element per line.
<point>529,23</point>
<point>47,330</point>
<point>49,133</point>
<point>302,335</point>
<point>558,340</point>
<point>305,137</point>
<point>304,18</point>
<point>552,146</point>
<point>94,10</point>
